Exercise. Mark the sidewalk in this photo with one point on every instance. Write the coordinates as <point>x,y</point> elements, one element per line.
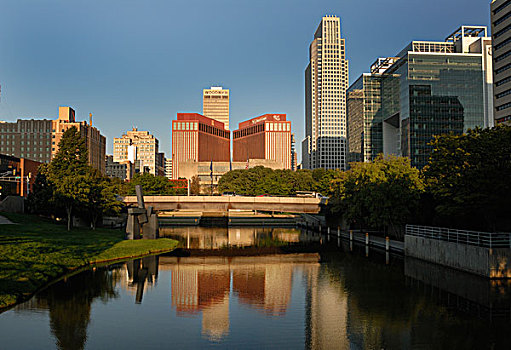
<point>5,221</point>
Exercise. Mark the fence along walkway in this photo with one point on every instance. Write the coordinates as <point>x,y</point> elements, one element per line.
<point>475,238</point>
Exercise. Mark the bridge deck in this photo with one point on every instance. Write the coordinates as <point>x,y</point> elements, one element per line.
<point>224,203</point>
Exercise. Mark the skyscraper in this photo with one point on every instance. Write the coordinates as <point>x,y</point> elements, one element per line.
<point>501,36</point>
<point>436,87</point>
<point>326,81</point>
<point>365,132</point>
<point>215,104</point>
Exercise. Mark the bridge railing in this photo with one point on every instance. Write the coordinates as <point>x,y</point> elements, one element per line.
<point>475,238</point>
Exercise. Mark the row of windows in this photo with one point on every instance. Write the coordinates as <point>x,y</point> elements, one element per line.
<point>504,106</point>
<point>504,55</point>
<point>502,31</point>
<point>504,93</point>
<point>501,7</point>
<point>502,44</point>
<point>502,19</point>
<point>503,68</point>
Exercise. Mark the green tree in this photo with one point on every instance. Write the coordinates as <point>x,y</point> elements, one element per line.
<point>40,199</point>
<point>153,185</point>
<point>195,185</point>
<point>468,176</point>
<point>67,172</point>
<point>383,194</point>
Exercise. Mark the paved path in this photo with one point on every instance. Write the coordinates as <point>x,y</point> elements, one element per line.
<point>5,221</point>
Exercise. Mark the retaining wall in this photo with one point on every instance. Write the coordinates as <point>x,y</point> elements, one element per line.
<point>490,263</point>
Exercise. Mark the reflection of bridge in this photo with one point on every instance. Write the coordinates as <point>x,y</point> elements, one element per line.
<point>224,203</point>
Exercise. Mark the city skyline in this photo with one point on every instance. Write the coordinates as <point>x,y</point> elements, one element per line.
<point>145,91</point>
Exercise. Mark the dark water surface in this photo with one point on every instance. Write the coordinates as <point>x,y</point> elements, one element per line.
<point>346,301</point>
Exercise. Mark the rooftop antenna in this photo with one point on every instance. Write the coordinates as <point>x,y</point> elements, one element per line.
<point>90,119</point>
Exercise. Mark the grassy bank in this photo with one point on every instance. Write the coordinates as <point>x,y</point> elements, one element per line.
<point>35,251</point>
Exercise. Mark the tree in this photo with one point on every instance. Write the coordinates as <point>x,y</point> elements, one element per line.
<point>468,177</point>
<point>152,185</point>
<point>383,194</point>
<point>67,171</point>
<point>195,185</point>
<point>40,199</point>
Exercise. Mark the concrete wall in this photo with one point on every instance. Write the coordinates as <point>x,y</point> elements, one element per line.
<point>490,263</point>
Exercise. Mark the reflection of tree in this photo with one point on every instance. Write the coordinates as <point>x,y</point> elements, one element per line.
<point>384,312</point>
<point>70,302</point>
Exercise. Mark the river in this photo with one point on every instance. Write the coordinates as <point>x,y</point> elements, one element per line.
<point>338,298</point>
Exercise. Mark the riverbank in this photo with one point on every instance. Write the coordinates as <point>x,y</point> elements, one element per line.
<point>35,251</point>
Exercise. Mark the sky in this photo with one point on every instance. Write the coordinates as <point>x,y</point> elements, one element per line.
<point>138,63</point>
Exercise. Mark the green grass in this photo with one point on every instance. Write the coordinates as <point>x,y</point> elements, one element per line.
<point>35,251</point>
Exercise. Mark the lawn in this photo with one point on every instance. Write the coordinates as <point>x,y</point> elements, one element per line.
<point>35,251</point>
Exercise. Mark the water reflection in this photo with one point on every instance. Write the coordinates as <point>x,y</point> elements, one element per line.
<point>281,301</point>
<point>196,237</point>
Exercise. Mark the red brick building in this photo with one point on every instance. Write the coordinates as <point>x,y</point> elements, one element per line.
<point>15,172</point>
<point>264,137</point>
<point>200,139</point>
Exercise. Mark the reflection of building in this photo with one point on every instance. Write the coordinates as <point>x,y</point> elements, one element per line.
<point>365,133</point>
<point>215,104</point>
<point>501,37</point>
<point>435,88</point>
<point>326,312</point>
<point>139,146</point>
<point>265,137</point>
<point>196,138</point>
<point>326,81</point>
<point>203,289</point>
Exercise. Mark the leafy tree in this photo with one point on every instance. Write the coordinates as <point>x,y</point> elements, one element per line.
<point>468,177</point>
<point>67,171</point>
<point>260,180</point>
<point>40,200</point>
<point>383,194</point>
<point>195,185</point>
<point>153,185</point>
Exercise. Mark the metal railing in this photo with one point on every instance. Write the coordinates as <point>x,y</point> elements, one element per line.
<point>475,238</point>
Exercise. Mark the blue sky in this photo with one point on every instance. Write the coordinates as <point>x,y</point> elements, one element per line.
<point>138,63</point>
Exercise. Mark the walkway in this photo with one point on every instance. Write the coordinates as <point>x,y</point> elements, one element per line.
<point>5,221</point>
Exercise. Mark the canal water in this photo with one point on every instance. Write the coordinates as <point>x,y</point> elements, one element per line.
<point>339,298</point>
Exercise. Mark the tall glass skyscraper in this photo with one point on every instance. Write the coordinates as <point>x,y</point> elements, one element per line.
<point>365,129</point>
<point>326,81</point>
<point>436,88</point>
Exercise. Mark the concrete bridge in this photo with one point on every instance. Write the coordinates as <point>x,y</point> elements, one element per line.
<point>224,203</point>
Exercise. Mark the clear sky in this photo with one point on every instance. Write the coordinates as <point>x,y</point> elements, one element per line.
<point>138,63</point>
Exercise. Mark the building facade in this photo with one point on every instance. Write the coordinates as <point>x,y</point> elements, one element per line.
<point>168,168</point>
<point>123,170</point>
<point>501,37</point>
<point>17,176</point>
<point>326,82</point>
<point>95,142</point>
<point>215,104</point>
<point>27,138</point>
<point>141,148</point>
<point>198,138</point>
<point>436,87</point>
<point>265,137</point>
<point>365,130</point>
<point>38,140</point>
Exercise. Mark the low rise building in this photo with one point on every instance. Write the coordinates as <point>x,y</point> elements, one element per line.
<point>17,175</point>
<point>139,146</point>
<point>123,170</point>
